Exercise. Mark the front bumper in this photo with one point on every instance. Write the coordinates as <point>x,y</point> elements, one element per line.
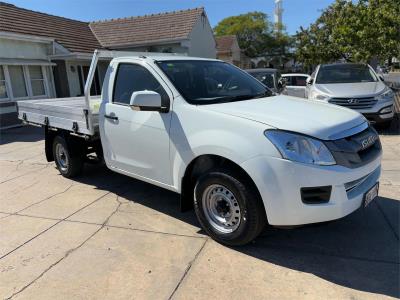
<point>376,114</point>
<point>279,182</point>
<point>379,118</point>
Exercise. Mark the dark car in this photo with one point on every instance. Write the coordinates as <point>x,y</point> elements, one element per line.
<point>269,77</point>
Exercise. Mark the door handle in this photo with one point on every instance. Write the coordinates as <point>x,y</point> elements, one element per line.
<point>111,117</point>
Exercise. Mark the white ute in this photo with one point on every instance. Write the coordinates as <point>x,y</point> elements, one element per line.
<point>203,128</point>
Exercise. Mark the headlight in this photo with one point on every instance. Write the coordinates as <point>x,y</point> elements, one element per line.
<point>300,148</point>
<point>321,97</point>
<point>387,93</point>
<point>386,110</point>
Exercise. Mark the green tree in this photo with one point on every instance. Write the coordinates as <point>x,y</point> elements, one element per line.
<point>354,31</point>
<point>257,36</point>
<point>252,30</point>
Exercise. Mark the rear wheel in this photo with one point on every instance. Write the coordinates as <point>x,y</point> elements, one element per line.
<point>69,164</point>
<point>229,208</point>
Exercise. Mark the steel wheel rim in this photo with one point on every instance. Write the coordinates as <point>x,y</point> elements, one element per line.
<point>62,157</point>
<point>221,208</point>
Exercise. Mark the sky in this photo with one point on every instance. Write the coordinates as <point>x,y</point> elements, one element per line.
<point>296,12</point>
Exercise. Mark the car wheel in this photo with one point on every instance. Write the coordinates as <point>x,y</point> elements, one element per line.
<point>68,164</point>
<point>228,208</point>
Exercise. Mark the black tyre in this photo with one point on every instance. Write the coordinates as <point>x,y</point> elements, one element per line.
<point>385,125</point>
<point>69,164</point>
<point>228,208</point>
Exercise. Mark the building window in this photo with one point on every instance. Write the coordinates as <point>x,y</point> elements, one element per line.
<point>37,81</point>
<point>3,87</point>
<point>17,79</point>
<point>23,82</point>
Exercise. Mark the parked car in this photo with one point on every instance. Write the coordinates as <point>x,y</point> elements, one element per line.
<point>296,84</point>
<point>270,77</point>
<point>203,128</point>
<point>382,70</point>
<point>355,86</point>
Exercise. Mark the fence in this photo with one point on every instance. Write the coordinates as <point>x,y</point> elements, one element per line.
<point>396,100</point>
<point>395,128</point>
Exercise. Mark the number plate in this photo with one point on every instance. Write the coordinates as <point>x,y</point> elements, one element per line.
<point>371,194</point>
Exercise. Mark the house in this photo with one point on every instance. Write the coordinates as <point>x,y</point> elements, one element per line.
<point>186,31</point>
<point>44,56</point>
<point>228,50</point>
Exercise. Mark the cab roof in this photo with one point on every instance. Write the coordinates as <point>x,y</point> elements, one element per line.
<point>165,58</point>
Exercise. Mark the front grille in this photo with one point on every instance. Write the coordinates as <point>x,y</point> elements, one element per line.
<point>356,150</point>
<point>354,103</point>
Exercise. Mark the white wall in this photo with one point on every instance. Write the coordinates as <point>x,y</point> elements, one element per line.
<point>15,51</point>
<point>235,51</point>
<point>201,39</point>
<point>24,50</point>
<point>73,77</point>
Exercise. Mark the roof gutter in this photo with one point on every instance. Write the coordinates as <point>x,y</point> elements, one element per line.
<point>73,55</point>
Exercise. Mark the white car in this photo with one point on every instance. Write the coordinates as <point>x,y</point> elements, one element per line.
<point>209,131</point>
<point>296,84</point>
<point>355,86</point>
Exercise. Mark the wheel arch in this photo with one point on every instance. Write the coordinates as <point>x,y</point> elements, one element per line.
<point>201,164</point>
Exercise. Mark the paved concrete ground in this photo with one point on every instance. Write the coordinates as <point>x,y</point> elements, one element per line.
<point>104,235</point>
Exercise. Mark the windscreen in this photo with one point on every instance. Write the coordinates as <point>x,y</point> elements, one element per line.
<point>205,82</point>
<point>350,73</point>
<point>266,78</point>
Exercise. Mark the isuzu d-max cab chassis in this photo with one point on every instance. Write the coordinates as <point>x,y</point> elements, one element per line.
<point>240,155</point>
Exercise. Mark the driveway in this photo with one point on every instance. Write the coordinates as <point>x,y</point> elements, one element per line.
<point>104,235</point>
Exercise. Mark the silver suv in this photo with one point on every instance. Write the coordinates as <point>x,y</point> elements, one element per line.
<point>354,86</point>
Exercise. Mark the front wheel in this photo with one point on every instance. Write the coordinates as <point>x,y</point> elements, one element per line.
<point>229,208</point>
<point>68,163</point>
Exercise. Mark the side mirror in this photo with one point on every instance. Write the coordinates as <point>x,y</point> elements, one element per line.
<point>381,77</point>
<point>146,101</point>
<point>283,82</point>
<point>310,81</point>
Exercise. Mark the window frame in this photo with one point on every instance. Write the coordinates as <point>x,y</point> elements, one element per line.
<point>27,81</point>
<point>159,80</point>
<point>5,84</point>
<point>43,80</point>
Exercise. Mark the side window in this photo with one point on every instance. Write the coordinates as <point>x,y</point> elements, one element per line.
<point>300,80</point>
<point>133,78</point>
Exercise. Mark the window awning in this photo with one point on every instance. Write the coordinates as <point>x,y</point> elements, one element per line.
<point>30,62</point>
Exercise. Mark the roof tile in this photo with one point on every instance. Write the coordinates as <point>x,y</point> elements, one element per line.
<point>225,42</point>
<point>146,29</point>
<point>74,35</point>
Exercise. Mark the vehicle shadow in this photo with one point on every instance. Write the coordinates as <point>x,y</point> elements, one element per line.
<point>360,251</point>
<point>24,134</point>
<point>394,128</point>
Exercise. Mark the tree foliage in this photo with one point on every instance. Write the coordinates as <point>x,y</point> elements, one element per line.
<point>255,34</point>
<point>251,29</point>
<point>354,31</point>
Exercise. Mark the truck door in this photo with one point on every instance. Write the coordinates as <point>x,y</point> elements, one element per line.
<point>297,86</point>
<point>136,142</point>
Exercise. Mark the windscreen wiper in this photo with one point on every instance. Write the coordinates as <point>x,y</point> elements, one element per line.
<point>225,99</point>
